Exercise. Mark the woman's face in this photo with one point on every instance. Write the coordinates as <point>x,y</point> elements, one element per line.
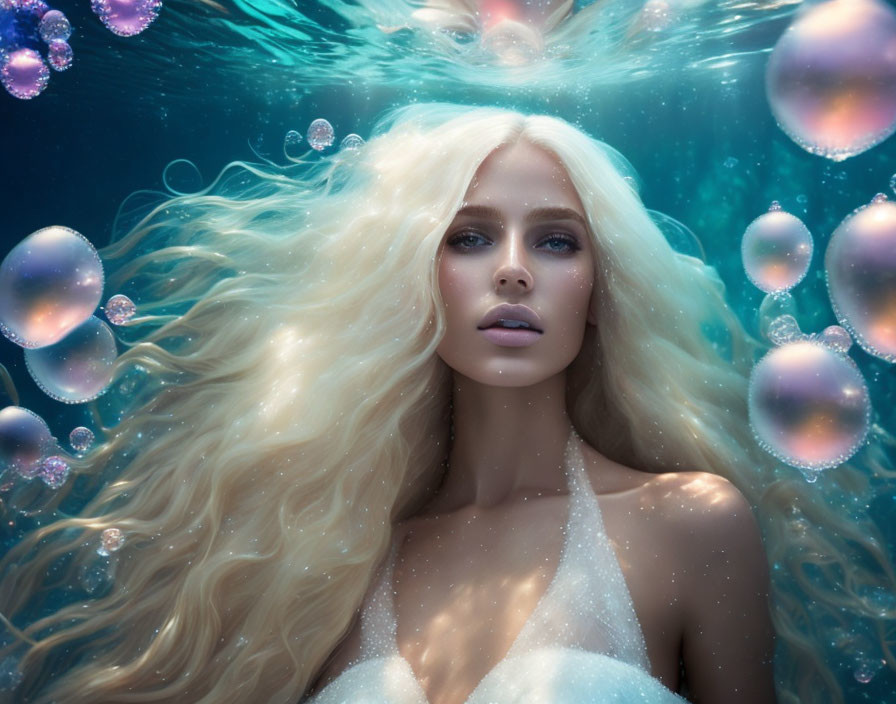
<point>516,271</point>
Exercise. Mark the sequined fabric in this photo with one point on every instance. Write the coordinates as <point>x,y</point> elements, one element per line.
<point>581,644</point>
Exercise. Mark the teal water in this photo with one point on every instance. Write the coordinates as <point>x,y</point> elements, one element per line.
<point>212,83</point>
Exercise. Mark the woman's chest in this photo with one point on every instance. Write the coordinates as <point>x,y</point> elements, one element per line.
<point>466,586</point>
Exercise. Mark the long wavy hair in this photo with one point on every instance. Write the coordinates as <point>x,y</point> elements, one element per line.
<point>280,406</point>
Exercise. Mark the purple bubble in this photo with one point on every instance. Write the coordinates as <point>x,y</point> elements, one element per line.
<point>831,78</point>
<point>77,369</point>
<point>59,55</point>
<point>809,405</point>
<point>24,75</point>
<point>54,471</point>
<point>37,8</point>
<point>860,264</point>
<point>776,250</point>
<point>119,309</point>
<point>50,283</point>
<point>55,25</point>
<point>81,438</point>
<point>837,338</point>
<point>126,17</point>
<point>24,440</point>
<point>111,541</point>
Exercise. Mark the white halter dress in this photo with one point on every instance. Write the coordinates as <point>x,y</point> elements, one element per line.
<point>581,645</point>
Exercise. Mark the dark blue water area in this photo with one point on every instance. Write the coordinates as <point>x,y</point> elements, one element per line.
<point>701,137</point>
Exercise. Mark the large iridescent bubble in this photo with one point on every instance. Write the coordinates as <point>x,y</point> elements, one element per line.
<point>831,78</point>
<point>809,405</point>
<point>79,368</point>
<point>860,263</point>
<point>126,17</point>
<point>24,441</point>
<point>50,283</point>
<point>776,250</point>
<point>24,73</point>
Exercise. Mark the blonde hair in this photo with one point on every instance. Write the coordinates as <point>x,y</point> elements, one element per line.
<point>283,406</point>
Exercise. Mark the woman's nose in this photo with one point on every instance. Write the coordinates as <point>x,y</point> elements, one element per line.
<point>512,272</point>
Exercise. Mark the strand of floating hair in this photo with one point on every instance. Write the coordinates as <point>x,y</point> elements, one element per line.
<point>170,187</point>
<point>9,386</point>
<point>15,631</point>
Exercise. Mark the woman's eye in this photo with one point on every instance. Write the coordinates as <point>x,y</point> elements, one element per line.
<point>467,240</point>
<point>560,244</point>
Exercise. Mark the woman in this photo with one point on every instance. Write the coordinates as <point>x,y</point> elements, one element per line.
<point>307,344</point>
<point>516,276</point>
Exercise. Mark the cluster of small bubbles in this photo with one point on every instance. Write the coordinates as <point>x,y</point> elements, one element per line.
<point>54,471</point>
<point>893,183</point>
<point>96,575</point>
<point>126,17</point>
<point>784,330</point>
<point>24,440</point>
<point>55,25</point>
<point>655,15</point>
<point>24,73</point>
<point>320,134</point>
<point>111,541</point>
<point>837,338</point>
<point>810,475</point>
<point>879,600</point>
<point>50,283</point>
<point>730,162</point>
<point>773,306</point>
<point>798,527</point>
<point>831,80</point>
<point>860,268</point>
<point>867,668</point>
<point>77,369</point>
<point>351,142</point>
<point>10,675</point>
<point>808,405</point>
<point>119,309</point>
<point>81,438</point>
<point>776,250</point>
<point>59,55</point>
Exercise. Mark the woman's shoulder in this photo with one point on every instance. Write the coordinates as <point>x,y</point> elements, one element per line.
<point>687,504</point>
<point>707,518</point>
<point>698,496</point>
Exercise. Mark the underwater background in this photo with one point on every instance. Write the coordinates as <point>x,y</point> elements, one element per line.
<point>211,83</point>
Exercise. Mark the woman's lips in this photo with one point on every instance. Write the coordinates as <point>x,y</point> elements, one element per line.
<point>510,337</point>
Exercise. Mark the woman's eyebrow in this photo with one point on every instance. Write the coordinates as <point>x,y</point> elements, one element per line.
<point>536,215</point>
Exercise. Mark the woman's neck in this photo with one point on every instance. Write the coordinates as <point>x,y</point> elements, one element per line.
<point>506,439</point>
